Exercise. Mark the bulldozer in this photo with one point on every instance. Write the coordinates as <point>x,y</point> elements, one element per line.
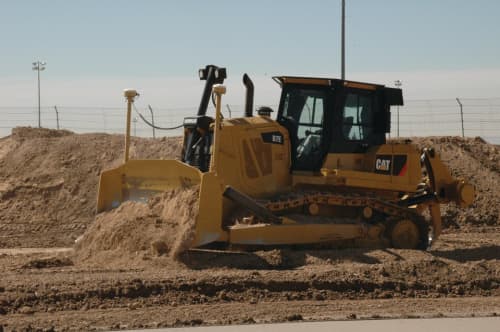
<point>321,173</point>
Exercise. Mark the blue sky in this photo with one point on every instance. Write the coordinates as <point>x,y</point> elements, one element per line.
<point>91,44</point>
<point>157,38</point>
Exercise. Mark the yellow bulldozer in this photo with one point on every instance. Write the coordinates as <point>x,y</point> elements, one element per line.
<point>321,173</point>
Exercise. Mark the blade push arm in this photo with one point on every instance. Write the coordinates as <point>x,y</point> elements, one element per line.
<point>442,183</point>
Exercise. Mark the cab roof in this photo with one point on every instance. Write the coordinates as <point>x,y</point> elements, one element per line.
<point>394,96</point>
<point>281,80</point>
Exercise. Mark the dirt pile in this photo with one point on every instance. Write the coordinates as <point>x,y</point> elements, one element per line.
<point>135,230</point>
<point>48,181</point>
<point>478,162</point>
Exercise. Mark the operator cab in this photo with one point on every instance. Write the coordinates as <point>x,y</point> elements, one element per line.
<point>333,116</point>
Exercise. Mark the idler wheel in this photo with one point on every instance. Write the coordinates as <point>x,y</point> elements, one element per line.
<point>405,234</point>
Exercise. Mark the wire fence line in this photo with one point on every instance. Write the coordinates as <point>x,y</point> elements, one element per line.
<point>436,117</point>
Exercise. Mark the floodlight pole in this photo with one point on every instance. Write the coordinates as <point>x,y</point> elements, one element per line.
<point>39,66</point>
<point>343,40</point>
<point>39,112</point>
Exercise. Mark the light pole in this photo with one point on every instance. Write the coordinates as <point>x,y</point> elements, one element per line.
<point>398,85</point>
<point>343,41</point>
<point>39,66</point>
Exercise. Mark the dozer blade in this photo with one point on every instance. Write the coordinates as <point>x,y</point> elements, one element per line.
<point>137,180</point>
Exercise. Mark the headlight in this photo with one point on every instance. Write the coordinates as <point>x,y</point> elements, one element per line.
<point>202,74</point>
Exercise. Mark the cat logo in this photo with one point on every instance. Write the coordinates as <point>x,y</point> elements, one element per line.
<point>383,165</point>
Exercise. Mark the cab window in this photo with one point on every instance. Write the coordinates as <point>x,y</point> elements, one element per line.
<point>357,117</point>
<point>303,114</point>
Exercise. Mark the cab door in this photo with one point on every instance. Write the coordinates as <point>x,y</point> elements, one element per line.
<point>303,113</point>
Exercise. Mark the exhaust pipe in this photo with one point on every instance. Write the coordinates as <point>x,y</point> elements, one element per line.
<point>249,95</point>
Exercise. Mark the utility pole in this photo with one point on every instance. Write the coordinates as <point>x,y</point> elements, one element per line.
<point>343,40</point>
<point>39,66</point>
<point>398,85</point>
<point>152,119</point>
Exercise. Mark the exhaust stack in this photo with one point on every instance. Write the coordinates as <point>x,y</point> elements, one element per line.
<point>249,95</point>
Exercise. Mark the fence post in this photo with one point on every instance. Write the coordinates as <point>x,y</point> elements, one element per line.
<point>229,110</point>
<point>152,119</point>
<point>57,117</point>
<point>134,120</point>
<point>461,115</point>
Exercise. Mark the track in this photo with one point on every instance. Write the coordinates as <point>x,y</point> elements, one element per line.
<point>385,223</point>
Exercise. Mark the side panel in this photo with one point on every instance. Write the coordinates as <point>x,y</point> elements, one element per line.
<point>400,162</point>
<point>254,157</point>
<point>393,167</point>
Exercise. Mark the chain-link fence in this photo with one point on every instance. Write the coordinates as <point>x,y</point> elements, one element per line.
<point>473,117</point>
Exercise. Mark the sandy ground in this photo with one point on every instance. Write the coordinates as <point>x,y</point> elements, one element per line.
<point>48,185</point>
<point>460,277</point>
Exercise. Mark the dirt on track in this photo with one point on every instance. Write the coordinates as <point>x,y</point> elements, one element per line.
<point>123,273</point>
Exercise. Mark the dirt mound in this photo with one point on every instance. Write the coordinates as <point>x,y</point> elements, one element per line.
<point>48,181</point>
<point>134,230</point>
<point>24,133</point>
<point>478,162</point>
